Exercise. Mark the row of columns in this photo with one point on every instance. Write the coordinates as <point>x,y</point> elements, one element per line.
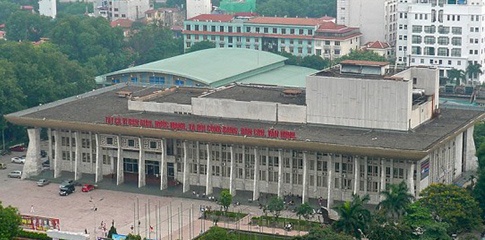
<point>209,188</point>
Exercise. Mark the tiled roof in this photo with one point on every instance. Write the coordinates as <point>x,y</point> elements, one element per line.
<point>213,17</point>
<point>364,63</point>
<point>122,22</point>
<point>377,45</point>
<point>286,21</point>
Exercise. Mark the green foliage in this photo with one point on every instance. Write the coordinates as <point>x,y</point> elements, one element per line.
<point>275,206</point>
<point>304,210</point>
<point>201,46</point>
<point>479,190</point>
<point>300,8</point>
<point>73,8</point>
<point>354,218</point>
<point>33,235</point>
<point>25,26</point>
<point>452,205</point>
<point>133,237</point>
<point>152,43</point>
<point>9,222</point>
<point>388,231</point>
<point>473,70</point>
<point>396,200</point>
<point>456,76</point>
<point>323,233</point>
<point>362,55</point>
<point>112,231</point>
<point>225,199</point>
<point>312,61</point>
<point>297,224</point>
<point>420,222</point>
<point>7,9</point>
<point>219,234</point>
<point>479,137</point>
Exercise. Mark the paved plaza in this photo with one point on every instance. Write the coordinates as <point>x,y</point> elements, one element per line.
<point>133,209</point>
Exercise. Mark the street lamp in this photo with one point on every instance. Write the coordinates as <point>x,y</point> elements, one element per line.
<point>95,209</point>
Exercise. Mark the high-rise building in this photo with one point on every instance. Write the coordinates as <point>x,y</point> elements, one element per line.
<point>125,9</point>
<point>376,19</point>
<point>447,34</point>
<point>48,8</point>
<point>197,7</point>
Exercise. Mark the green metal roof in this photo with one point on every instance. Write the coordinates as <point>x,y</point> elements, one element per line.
<point>287,76</point>
<point>214,67</point>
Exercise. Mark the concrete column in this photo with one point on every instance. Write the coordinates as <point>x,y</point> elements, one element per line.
<point>411,179</point>
<point>304,194</point>
<point>163,167</point>
<point>120,175</point>
<point>71,155</point>
<point>32,165</point>
<point>280,173</point>
<point>232,180</point>
<point>141,164</point>
<point>58,155</point>
<point>197,155</point>
<point>256,175</point>
<point>356,175</point>
<point>49,150</point>
<point>99,159</point>
<point>382,177</point>
<point>77,156</point>
<point>186,182</point>
<point>330,188</point>
<point>245,163</point>
<point>315,174</point>
<point>91,157</point>
<point>208,185</point>
<point>392,171</point>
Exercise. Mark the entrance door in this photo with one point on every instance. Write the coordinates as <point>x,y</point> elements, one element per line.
<point>170,172</point>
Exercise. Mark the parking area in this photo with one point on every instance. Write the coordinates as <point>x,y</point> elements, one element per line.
<point>146,211</point>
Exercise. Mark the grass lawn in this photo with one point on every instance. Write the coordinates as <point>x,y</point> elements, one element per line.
<point>269,221</point>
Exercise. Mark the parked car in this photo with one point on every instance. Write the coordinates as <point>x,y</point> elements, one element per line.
<point>42,182</point>
<point>87,188</point>
<point>18,148</point>
<point>66,190</point>
<point>66,183</point>
<point>3,166</point>
<point>20,159</point>
<point>15,174</point>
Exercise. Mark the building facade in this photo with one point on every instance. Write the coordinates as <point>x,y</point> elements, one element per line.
<point>48,8</point>
<point>298,36</point>
<point>167,17</point>
<point>197,7</point>
<point>263,139</point>
<point>126,9</point>
<point>376,19</point>
<point>442,34</point>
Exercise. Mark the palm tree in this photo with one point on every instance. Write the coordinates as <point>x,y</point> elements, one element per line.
<point>473,70</point>
<point>455,75</point>
<point>353,217</point>
<point>396,199</point>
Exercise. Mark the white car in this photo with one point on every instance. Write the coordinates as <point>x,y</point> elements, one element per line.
<point>15,174</point>
<point>20,159</point>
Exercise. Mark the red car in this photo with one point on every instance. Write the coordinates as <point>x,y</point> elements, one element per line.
<point>87,188</point>
<point>18,148</point>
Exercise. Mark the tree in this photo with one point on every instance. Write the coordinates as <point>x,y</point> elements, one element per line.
<point>112,230</point>
<point>304,210</point>
<point>479,137</point>
<point>396,199</point>
<point>7,9</point>
<point>25,26</point>
<point>301,8</point>
<point>218,233</point>
<point>353,216</point>
<point>479,190</point>
<point>275,206</point>
<point>10,221</point>
<point>473,70</point>
<point>453,205</point>
<point>315,62</point>
<point>323,233</point>
<point>455,75</point>
<point>225,199</point>
<point>201,46</point>
<point>363,55</point>
<point>421,223</point>
<point>133,237</point>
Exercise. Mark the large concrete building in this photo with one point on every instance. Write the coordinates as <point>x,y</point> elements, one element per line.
<point>440,33</point>
<point>298,36</point>
<point>197,7</point>
<point>48,8</point>
<point>125,9</point>
<point>353,129</point>
<point>376,19</point>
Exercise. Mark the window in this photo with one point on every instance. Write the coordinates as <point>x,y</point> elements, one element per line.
<point>443,40</point>
<point>456,30</point>
<point>417,29</point>
<point>109,141</point>
<point>443,30</point>
<point>153,144</point>
<point>337,51</point>
<point>456,52</point>
<point>430,29</point>
<point>265,30</point>
<point>429,40</point>
<point>337,43</point>
<point>300,31</point>
<point>131,142</point>
<point>443,52</point>
<point>456,41</point>
<point>416,39</point>
<point>274,30</point>
<point>187,27</point>
<point>196,27</point>
<point>429,51</point>
<point>416,50</point>
<point>283,31</point>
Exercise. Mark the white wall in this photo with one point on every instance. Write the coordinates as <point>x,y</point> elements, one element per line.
<point>159,107</point>
<point>382,104</point>
<point>291,113</point>
<point>197,7</point>
<point>228,108</point>
<point>421,114</point>
<point>48,8</point>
